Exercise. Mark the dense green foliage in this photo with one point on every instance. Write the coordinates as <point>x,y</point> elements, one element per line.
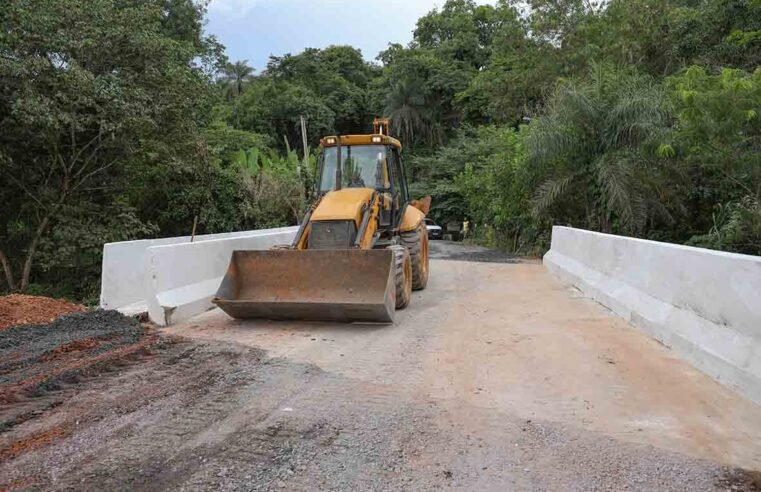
<point>85,85</point>
<point>112,129</point>
<point>122,120</point>
<point>644,120</point>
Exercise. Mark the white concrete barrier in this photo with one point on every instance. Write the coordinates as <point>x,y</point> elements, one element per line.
<point>704,304</point>
<point>183,278</point>
<point>127,284</point>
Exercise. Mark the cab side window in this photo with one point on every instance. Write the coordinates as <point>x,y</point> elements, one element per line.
<point>401,179</point>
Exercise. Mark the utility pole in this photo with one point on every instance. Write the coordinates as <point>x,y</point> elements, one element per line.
<point>303,177</point>
<point>304,142</point>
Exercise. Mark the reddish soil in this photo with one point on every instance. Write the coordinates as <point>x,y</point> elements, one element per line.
<point>35,441</point>
<point>72,364</point>
<point>18,309</point>
<point>75,346</point>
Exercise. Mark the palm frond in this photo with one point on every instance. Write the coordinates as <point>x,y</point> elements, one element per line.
<point>550,192</point>
<point>405,106</point>
<point>550,140</point>
<point>620,191</point>
<point>578,105</point>
<point>641,108</point>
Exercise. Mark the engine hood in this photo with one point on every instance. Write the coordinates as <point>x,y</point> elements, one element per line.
<point>343,204</point>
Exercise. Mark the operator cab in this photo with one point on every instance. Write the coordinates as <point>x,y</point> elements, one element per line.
<point>368,161</point>
<point>363,167</point>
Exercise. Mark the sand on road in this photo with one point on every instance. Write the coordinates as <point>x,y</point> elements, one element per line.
<point>491,339</point>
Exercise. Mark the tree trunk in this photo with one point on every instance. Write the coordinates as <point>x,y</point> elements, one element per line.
<point>7,270</point>
<point>27,271</point>
<point>30,253</point>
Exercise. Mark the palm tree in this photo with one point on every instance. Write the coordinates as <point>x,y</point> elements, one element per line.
<point>235,76</point>
<point>596,141</point>
<point>406,108</point>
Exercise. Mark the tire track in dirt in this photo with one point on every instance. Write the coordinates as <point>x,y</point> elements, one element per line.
<point>442,399</point>
<point>226,417</point>
<point>39,362</point>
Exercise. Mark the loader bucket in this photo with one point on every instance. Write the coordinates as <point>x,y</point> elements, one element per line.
<point>315,285</point>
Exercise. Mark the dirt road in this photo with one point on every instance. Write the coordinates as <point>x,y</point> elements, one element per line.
<point>497,377</point>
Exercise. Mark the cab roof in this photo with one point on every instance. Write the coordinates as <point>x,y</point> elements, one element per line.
<point>330,141</point>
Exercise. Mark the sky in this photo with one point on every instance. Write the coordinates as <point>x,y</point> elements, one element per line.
<point>254,29</point>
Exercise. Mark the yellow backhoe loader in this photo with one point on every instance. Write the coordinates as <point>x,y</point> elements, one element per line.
<point>359,251</point>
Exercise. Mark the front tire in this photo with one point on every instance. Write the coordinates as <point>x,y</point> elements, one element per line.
<point>416,243</point>
<point>402,275</point>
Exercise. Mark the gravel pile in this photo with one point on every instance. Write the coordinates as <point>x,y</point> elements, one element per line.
<point>100,331</point>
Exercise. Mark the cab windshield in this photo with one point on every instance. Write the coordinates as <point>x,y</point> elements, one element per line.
<point>362,167</point>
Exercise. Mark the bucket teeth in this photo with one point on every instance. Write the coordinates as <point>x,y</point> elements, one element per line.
<point>315,285</point>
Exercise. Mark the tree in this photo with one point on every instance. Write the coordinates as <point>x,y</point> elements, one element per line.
<point>595,148</point>
<point>520,72</point>
<point>235,77</point>
<point>558,21</point>
<point>435,174</point>
<point>418,78</point>
<point>274,108</point>
<point>461,31</point>
<point>337,76</point>
<point>718,140</point>
<point>405,106</point>
<point>332,88</point>
<point>716,33</point>
<point>496,187</point>
<point>92,89</point>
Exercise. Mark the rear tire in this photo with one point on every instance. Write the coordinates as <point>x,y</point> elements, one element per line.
<point>416,243</point>
<point>402,275</point>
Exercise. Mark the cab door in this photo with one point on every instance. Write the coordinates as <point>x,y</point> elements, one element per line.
<point>399,193</point>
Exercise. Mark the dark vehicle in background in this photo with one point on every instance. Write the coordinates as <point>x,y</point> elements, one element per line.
<point>434,231</point>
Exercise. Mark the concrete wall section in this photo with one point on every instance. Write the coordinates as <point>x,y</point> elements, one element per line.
<point>181,279</point>
<point>123,273</point>
<point>705,305</point>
